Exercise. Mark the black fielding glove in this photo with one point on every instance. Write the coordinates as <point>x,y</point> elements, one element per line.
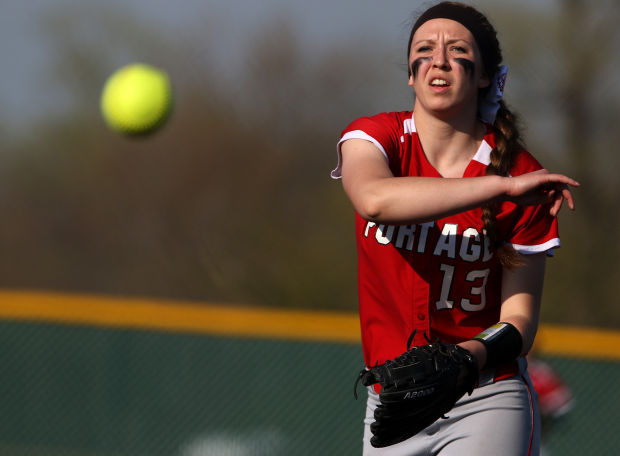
<point>417,388</point>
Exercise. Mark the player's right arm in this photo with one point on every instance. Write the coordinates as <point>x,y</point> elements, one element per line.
<point>379,196</point>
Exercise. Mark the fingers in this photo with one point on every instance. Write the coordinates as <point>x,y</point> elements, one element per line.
<point>557,204</point>
<point>560,190</point>
<point>566,193</point>
<point>558,196</point>
<point>557,179</point>
<point>560,178</point>
<point>542,187</point>
<point>554,178</point>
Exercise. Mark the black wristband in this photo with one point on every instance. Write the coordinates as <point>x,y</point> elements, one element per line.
<point>503,343</point>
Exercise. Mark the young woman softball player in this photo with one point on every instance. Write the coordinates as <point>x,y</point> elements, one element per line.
<point>454,220</point>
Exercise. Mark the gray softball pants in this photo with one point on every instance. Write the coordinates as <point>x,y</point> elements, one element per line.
<point>499,418</point>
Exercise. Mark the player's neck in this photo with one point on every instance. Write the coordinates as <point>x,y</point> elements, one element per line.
<point>449,143</point>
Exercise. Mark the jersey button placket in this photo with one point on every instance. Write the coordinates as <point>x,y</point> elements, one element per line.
<point>421,298</point>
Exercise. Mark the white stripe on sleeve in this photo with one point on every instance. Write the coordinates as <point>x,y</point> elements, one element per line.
<point>540,248</point>
<point>355,134</point>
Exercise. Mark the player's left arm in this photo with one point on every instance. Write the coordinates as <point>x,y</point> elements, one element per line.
<point>522,288</point>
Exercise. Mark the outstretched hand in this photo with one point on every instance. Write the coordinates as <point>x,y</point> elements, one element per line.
<point>542,187</point>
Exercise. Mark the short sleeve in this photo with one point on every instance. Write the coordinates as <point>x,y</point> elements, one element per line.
<point>536,231</point>
<point>529,229</point>
<point>381,130</point>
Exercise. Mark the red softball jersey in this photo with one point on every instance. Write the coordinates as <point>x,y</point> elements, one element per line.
<point>440,278</point>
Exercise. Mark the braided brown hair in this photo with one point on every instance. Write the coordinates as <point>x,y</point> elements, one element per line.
<point>505,128</point>
<point>507,143</point>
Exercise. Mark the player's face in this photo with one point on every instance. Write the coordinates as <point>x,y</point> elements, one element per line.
<point>445,68</point>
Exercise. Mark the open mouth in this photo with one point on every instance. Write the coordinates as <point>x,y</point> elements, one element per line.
<point>439,83</point>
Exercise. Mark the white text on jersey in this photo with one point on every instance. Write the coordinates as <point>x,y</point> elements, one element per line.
<point>469,246</point>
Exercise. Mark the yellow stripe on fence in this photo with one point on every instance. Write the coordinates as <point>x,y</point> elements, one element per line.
<point>236,321</point>
<point>179,316</point>
<point>578,342</point>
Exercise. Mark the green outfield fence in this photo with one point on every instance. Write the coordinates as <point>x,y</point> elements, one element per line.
<point>96,376</point>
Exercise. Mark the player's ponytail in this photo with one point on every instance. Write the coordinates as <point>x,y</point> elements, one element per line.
<point>507,144</point>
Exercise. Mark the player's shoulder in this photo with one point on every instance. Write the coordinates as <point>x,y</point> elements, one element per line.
<point>389,117</point>
<point>524,162</point>
<point>388,120</point>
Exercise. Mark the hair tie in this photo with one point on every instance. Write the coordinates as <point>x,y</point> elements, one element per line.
<point>489,105</point>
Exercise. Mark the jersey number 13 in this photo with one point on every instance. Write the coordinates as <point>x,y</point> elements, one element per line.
<point>472,277</point>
